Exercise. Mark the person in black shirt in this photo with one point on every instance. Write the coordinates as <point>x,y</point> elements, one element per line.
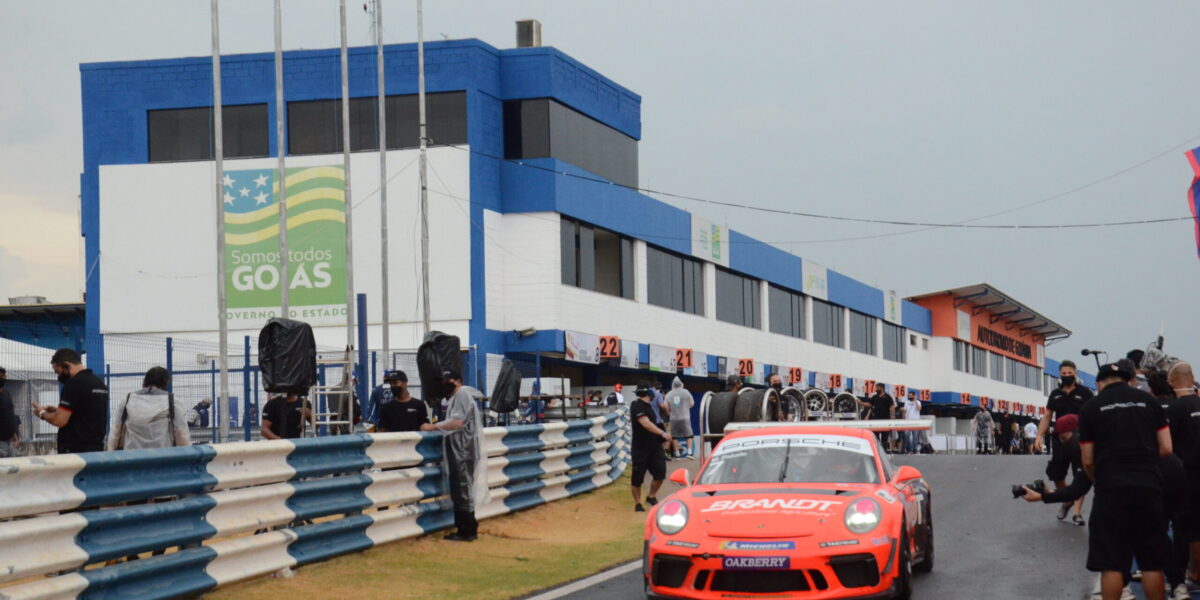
<point>402,413</point>
<point>1123,435</point>
<point>283,417</point>
<point>10,438</point>
<point>1067,399</point>
<point>648,437</point>
<point>1184,417</point>
<point>82,412</point>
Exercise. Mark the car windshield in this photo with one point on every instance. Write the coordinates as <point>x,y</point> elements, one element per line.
<point>797,458</point>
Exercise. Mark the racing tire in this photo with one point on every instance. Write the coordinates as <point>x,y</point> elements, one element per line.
<point>926,564</point>
<point>720,412</point>
<point>903,582</point>
<point>747,408</point>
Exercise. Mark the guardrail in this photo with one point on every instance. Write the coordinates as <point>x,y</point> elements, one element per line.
<point>228,512</point>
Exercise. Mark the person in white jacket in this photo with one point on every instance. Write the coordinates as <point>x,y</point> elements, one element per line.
<point>150,417</point>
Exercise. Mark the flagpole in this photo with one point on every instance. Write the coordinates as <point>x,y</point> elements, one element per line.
<point>281,150</point>
<point>346,171</point>
<point>383,219</point>
<point>423,166</point>
<point>219,184</point>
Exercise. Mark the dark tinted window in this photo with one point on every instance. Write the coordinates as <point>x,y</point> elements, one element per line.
<point>187,133</point>
<point>315,126</point>
<point>543,128</point>
<point>827,323</point>
<point>786,310</point>
<point>674,281</point>
<point>596,259</point>
<point>894,347</point>
<point>738,299</point>
<point>862,333</point>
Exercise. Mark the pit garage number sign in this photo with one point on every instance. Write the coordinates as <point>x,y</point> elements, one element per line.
<point>746,367</point>
<point>610,347</point>
<point>683,358</point>
<point>795,375</point>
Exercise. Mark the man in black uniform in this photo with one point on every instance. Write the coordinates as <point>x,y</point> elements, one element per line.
<point>82,412</point>
<point>1067,399</point>
<point>283,418</point>
<point>1184,416</point>
<point>648,437</point>
<point>1123,434</point>
<point>401,413</point>
<point>881,406</point>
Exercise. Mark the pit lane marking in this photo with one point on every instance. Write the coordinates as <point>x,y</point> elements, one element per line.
<point>587,582</point>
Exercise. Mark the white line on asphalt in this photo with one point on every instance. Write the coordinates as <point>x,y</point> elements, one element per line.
<point>588,582</point>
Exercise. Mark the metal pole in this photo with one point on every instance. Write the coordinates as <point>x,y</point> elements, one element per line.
<point>280,150</point>
<point>170,365</point>
<point>346,173</point>
<point>361,368</point>
<point>219,184</point>
<point>424,193</point>
<point>383,218</point>
<point>246,424</point>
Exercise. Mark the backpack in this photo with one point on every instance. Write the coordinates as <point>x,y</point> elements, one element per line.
<point>170,414</point>
<point>507,390</point>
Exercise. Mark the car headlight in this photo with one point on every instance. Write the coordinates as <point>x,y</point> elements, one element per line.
<point>672,517</point>
<point>863,515</point>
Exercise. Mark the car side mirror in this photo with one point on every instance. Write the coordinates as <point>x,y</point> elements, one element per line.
<point>907,473</point>
<point>680,476</point>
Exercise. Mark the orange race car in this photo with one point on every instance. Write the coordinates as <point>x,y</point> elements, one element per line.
<point>795,511</point>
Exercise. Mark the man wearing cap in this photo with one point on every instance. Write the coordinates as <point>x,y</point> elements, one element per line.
<point>402,413</point>
<point>615,397</point>
<point>1064,430</point>
<point>466,463</point>
<point>1123,435</point>
<point>648,437</point>
<point>1067,399</point>
<point>381,395</point>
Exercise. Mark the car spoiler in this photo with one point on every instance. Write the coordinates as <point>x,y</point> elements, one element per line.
<point>871,425</point>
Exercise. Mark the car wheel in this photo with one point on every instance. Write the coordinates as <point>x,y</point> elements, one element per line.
<point>926,564</point>
<point>747,408</point>
<point>903,583</point>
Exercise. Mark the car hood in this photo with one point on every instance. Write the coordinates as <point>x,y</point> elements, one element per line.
<point>768,513</point>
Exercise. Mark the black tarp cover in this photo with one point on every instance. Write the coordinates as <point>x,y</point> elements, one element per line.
<point>507,390</point>
<point>440,352</point>
<point>287,356</point>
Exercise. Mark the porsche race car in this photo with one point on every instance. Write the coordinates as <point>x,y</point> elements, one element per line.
<point>793,510</point>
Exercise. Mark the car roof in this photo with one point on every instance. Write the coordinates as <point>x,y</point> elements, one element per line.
<point>802,429</point>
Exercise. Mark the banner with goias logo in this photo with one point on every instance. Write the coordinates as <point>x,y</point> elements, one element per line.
<point>316,239</point>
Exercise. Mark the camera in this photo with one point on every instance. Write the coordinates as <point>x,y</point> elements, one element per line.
<point>1038,486</point>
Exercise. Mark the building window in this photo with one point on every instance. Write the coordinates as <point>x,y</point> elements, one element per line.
<point>862,333</point>
<point>786,314</point>
<point>315,126</point>
<point>675,282</point>
<point>893,343</point>
<point>596,259</point>
<point>180,134</point>
<point>738,299</point>
<point>962,356</point>
<point>912,340</point>
<point>996,366</point>
<point>979,361</point>
<point>924,343</point>
<point>828,322</point>
<point>543,128</point>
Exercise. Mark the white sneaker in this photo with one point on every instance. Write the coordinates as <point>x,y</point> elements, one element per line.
<point>1181,593</point>
<point>1127,594</point>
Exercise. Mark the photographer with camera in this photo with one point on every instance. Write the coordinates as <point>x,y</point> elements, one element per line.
<point>1067,399</point>
<point>1064,431</point>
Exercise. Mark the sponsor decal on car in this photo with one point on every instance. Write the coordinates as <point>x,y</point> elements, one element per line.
<point>682,544</point>
<point>784,504</point>
<point>886,496</point>
<point>880,541</point>
<point>837,543</point>
<point>823,441</point>
<point>756,562</point>
<point>757,546</point>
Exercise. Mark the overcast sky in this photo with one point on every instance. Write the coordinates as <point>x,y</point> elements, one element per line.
<point>931,111</point>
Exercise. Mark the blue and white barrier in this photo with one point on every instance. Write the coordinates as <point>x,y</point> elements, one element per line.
<point>240,510</point>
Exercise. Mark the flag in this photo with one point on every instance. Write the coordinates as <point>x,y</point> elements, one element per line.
<point>1193,157</point>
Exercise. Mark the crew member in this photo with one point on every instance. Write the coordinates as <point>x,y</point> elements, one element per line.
<point>1067,399</point>
<point>881,406</point>
<point>283,417</point>
<point>1123,434</point>
<point>10,439</point>
<point>912,412</point>
<point>648,436</point>
<point>402,413</point>
<point>1184,416</point>
<point>985,432</point>
<point>466,464</point>
<point>82,412</point>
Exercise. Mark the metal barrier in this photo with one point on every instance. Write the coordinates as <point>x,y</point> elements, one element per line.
<point>229,512</point>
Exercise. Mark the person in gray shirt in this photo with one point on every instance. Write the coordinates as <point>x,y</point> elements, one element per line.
<point>679,403</point>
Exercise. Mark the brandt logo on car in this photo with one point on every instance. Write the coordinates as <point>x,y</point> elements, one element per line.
<point>771,504</point>
<point>756,562</point>
<point>838,543</point>
<point>758,546</point>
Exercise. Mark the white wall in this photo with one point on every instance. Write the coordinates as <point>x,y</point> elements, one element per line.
<point>158,244</point>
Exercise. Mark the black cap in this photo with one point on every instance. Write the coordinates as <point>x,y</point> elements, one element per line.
<point>1114,370</point>
<point>451,374</point>
<point>643,392</point>
<point>1128,365</point>
<point>396,375</point>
